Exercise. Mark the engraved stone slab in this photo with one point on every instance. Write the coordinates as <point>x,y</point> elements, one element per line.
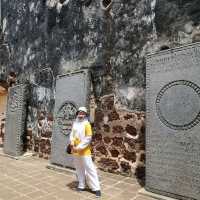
<point>15,120</point>
<point>72,91</point>
<point>173,116</point>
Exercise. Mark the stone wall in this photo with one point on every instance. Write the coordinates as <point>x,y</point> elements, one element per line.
<point>67,35</point>
<point>119,139</point>
<point>40,120</point>
<point>40,143</point>
<point>64,35</point>
<point>109,37</point>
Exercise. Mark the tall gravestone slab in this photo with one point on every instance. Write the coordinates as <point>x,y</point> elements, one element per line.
<point>15,120</point>
<point>173,128</point>
<point>72,91</point>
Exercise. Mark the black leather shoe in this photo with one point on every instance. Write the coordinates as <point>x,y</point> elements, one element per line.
<point>98,193</point>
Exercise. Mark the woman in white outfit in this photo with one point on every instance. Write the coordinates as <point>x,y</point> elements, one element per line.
<point>80,139</point>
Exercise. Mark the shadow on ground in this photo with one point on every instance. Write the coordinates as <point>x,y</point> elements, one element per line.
<point>74,184</point>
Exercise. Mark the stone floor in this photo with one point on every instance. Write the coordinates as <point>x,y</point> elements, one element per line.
<point>29,178</point>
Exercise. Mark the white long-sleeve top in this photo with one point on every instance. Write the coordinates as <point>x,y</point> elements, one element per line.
<point>81,136</point>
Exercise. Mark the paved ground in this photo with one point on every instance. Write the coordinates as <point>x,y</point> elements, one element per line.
<point>29,178</point>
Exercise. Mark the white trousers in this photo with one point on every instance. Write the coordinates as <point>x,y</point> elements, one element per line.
<point>85,169</point>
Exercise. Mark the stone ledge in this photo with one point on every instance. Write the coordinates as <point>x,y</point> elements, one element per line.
<point>154,195</point>
<point>60,169</point>
<point>25,155</point>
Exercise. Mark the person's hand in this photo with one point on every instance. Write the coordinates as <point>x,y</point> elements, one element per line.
<point>74,149</point>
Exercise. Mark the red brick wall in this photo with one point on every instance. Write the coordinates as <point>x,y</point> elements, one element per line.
<point>2,130</point>
<point>40,143</point>
<point>119,139</point>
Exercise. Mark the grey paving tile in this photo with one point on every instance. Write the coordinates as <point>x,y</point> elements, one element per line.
<point>29,179</point>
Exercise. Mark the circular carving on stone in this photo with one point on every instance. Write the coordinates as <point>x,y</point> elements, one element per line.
<point>65,116</point>
<point>178,105</point>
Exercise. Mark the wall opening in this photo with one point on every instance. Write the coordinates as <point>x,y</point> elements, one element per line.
<point>164,47</point>
<point>62,1</point>
<point>106,4</point>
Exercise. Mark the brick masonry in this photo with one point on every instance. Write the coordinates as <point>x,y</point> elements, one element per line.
<point>40,143</point>
<point>119,139</point>
<point>2,130</point>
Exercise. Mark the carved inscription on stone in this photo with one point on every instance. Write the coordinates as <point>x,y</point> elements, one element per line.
<point>15,120</point>
<point>175,100</point>
<point>173,115</point>
<point>65,116</point>
<point>71,92</point>
<point>175,60</point>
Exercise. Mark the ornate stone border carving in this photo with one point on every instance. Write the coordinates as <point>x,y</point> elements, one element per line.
<point>187,126</point>
<point>15,120</point>
<point>65,116</point>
